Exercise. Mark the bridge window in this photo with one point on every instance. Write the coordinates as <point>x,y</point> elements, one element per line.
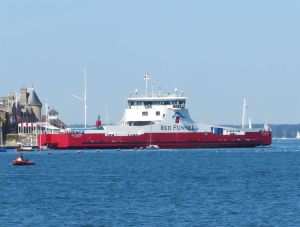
<point>148,105</point>
<point>144,113</point>
<point>135,103</point>
<point>139,123</point>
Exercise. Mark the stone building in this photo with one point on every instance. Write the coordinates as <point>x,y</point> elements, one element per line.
<point>30,104</point>
<point>25,107</point>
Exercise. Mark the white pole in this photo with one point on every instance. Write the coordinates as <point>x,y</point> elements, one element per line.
<point>250,123</point>
<point>244,114</point>
<point>146,78</point>
<point>85,98</point>
<point>46,113</point>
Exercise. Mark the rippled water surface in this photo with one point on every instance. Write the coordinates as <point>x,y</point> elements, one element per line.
<point>208,187</point>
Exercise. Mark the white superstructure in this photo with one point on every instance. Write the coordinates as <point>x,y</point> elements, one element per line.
<point>146,110</point>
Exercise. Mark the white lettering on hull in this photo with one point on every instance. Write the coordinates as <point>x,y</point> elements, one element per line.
<point>178,128</point>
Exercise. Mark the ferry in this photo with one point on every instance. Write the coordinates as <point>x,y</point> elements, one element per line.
<point>156,120</point>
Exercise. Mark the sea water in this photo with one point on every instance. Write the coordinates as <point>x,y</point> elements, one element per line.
<point>192,187</point>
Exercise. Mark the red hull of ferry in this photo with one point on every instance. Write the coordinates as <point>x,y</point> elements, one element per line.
<point>163,140</point>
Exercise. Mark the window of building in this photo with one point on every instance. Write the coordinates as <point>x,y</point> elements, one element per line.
<point>145,114</point>
<point>157,113</point>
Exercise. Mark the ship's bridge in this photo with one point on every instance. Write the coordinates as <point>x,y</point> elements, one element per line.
<point>149,109</point>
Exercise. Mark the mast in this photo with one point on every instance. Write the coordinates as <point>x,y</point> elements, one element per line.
<point>244,117</point>
<point>85,97</point>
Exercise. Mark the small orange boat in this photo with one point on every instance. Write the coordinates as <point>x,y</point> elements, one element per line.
<point>20,161</point>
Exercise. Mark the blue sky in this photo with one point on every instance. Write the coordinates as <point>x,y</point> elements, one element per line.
<point>216,51</point>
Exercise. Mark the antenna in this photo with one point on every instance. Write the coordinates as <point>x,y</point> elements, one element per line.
<point>146,78</point>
